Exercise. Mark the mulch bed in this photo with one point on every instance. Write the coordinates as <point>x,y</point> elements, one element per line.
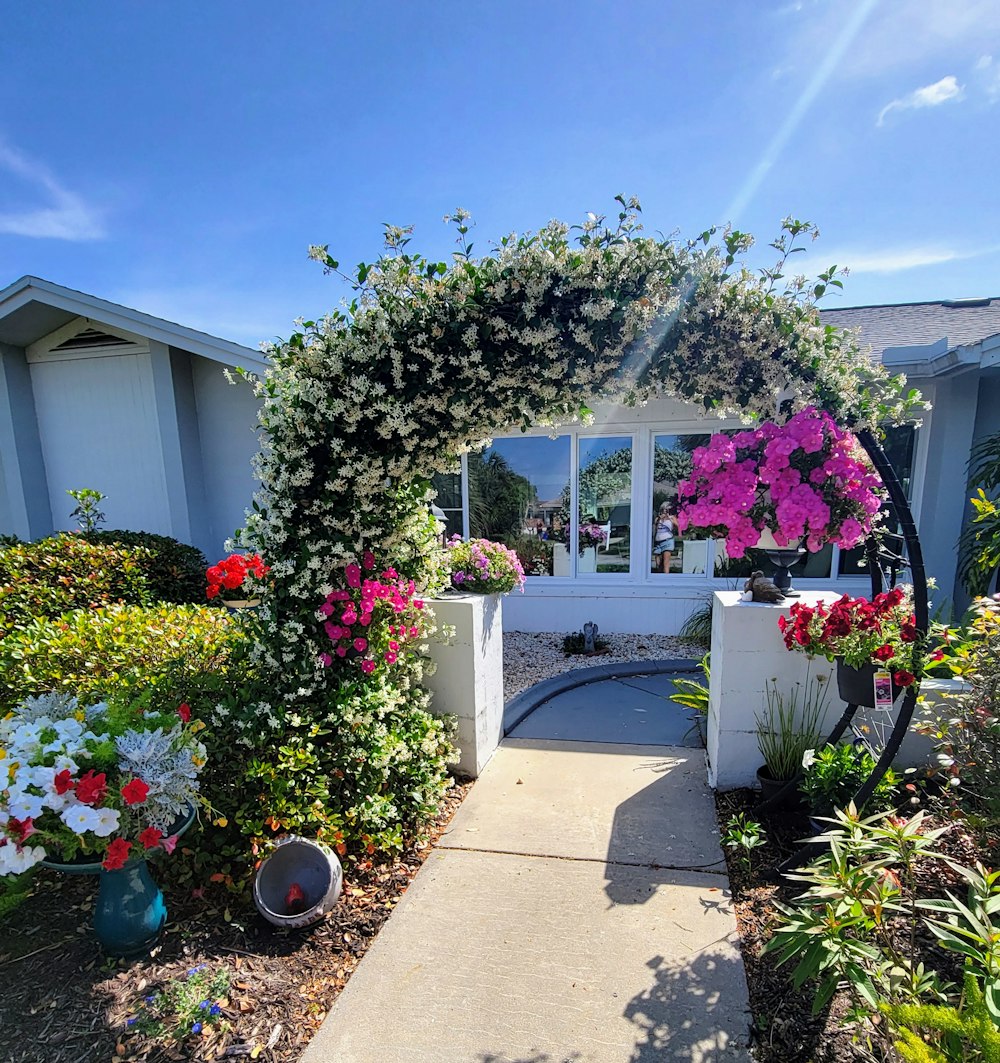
<point>784,1028</point>
<point>63,1002</point>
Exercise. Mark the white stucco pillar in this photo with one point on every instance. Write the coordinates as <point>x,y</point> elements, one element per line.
<point>747,653</point>
<point>468,680</point>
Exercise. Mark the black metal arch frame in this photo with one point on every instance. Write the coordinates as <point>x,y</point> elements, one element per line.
<point>883,567</point>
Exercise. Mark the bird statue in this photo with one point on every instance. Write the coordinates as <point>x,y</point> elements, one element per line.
<point>761,589</point>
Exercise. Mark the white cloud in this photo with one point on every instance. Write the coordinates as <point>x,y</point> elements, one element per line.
<point>934,95</point>
<point>63,214</point>
<point>987,75</point>
<point>885,260</point>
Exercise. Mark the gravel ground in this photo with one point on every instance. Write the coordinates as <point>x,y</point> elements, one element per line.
<point>530,657</point>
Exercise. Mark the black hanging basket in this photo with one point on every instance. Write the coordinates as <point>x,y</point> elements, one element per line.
<point>857,685</point>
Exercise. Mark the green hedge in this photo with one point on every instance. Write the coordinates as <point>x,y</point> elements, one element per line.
<point>52,576</point>
<point>163,649</point>
<point>175,572</point>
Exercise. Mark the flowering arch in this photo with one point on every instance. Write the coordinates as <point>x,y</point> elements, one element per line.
<point>431,360</point>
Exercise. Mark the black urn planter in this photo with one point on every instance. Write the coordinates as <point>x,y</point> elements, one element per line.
<point>856,686</point>
<point>771,788</point>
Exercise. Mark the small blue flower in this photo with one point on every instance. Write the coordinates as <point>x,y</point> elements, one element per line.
<point>195,970</point>
<point>214,1009</point>
<point>204,1004</point>
<point>196,1027</point>
<point>151,999</point>
<point>131,1022</point>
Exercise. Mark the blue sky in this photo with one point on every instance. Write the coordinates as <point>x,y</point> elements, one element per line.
<point>180,157</point>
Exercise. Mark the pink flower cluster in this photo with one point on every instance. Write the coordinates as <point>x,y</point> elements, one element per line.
<point>357,617</point>
<point>807,480</point>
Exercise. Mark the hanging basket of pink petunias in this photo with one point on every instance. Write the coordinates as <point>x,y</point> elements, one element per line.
<point>807,481</point>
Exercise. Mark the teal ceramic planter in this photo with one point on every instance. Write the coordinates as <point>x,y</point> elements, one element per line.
<point>130,910</point>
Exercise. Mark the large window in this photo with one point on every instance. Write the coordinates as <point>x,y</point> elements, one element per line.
<point>604,505</point>
<point>519,495</point>
<point>671,464</point>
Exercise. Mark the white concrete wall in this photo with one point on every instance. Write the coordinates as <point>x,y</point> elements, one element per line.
<point>227,419</point>
<point>747,653</point>
<point>468,681</point>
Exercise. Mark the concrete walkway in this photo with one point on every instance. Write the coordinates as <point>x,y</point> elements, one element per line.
<point>576,910</point>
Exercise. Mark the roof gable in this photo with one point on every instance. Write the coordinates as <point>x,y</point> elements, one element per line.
<point>32,308</point>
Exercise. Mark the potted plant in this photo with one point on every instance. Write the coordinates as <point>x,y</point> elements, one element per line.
<point>807,481</point>
<point>96,790</point>
<point>786,730</point>
<point>236,580</point>
<point>481,566</point>
<point>834,774</point>
<point>862,636</point>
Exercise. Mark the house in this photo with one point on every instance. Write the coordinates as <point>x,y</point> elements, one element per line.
<point>93,394</point>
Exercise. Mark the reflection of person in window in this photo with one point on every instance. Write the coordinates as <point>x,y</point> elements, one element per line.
<point>664,529</point>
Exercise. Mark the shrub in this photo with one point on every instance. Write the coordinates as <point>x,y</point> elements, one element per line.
<point>52,576</point>
<point>174,571</point>
<point>120,647</point>
<point>834,774</point>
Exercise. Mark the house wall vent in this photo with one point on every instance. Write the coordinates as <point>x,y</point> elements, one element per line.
<point>92,339</point>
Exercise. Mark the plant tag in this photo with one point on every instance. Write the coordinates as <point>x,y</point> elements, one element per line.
<point>883,691</point>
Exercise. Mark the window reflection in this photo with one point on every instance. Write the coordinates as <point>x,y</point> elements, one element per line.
<point>519,495</point>
<point>448,487</point>
<point>604,497</point>
<point>671,464</point>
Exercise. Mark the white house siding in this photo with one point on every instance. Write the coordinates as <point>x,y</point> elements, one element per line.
<point>227,418</point>
<point>98,428</point>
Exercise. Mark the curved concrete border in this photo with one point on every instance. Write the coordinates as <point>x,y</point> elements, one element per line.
<point>525,703</point>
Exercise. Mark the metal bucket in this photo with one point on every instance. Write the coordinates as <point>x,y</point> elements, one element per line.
<point>298,883</point>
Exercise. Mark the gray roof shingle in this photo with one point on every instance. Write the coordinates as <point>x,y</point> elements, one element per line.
<point>961,321</point>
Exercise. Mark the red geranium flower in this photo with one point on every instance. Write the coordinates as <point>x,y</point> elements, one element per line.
<point>903,678</point>
<point>150,837</point>
<point>884,653</point>
<point>91,788</point>
<point>184,711</point>
<point>116,855</point>
<point>63,781</point>
<point>135,792</point>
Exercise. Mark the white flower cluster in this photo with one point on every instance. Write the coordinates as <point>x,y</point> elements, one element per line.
<point>431,362</point>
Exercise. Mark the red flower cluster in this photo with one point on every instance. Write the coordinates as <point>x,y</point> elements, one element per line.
<point>230,573</point>
<point>91,788</point>
<point>117,855</point>
<point>882,630</point>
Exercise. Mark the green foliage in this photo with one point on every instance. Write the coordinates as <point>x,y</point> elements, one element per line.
<point>52,576</point>
<point>963,1033</point>
<point>174,571</point>
<point>743,835</point>
<point>836,773</point>
<point>979,544</point>
<point>789,728</point>
<point>855,923</point>
<point>362,771</point>
<point>14,891</point>
<point>86,513</point>
<point>965,728</point>
<point>698,626</point>
<point>691,693</point>
<point>124,648</point>
<point>184,1006</point>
